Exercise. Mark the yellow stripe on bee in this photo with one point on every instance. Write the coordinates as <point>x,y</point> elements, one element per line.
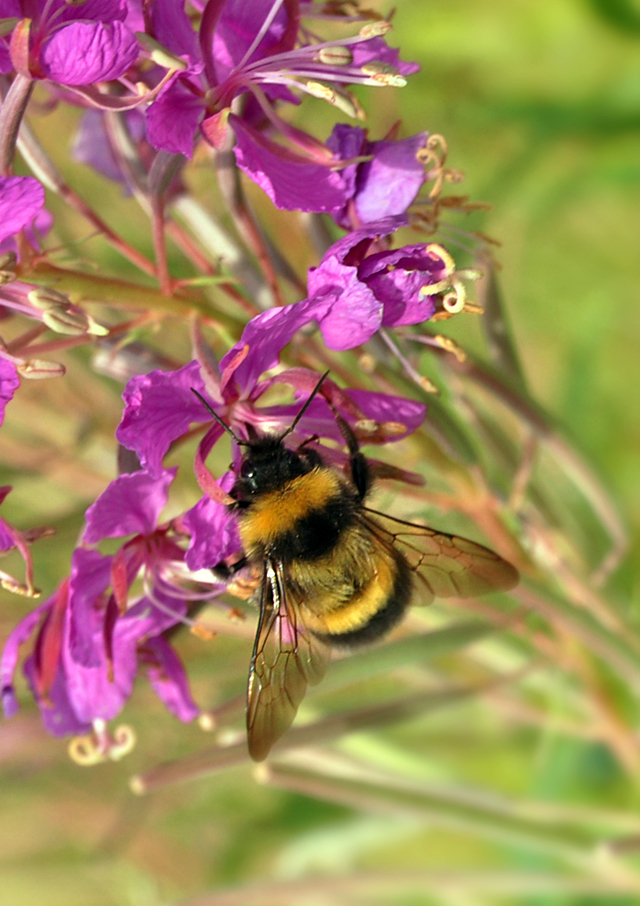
<point>277,512</point>
<point>358,610</point>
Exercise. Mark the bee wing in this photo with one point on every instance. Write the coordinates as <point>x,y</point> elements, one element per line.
<point>286,658</point>
<point>446,565</point>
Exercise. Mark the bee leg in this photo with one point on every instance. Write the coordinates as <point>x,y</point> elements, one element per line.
<point>360,471</point>
<point>225,571</point>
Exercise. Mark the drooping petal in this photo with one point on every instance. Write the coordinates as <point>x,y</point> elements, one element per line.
<point>22,632</point>
<point>83,53</point>
<point>172,119</point>
<point>168,678</point>
<point>382,407</point>
<point>130,505</point>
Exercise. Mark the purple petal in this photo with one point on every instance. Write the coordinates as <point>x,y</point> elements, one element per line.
<point>90,577</point>
<point>92,10</point>
<point>381,407</point>
<point>353,314</point>
<point>173,118</point>
<point>389,183</point>
<point>169,680</point>
<point>160,407</point>
<point>59,717</point>
<point>292,182</point>
<point>265,336</point>
<point>214,530</point>
<point>377,51</point>
<point>21,198</point>
<point>91,145</point>
<point>173,29</point>
<point>9,383</point>
<point>92,690</point>
<point>130,505</point>
<point>82,53</point>
<point>25,628</point>
<point>238,26</point>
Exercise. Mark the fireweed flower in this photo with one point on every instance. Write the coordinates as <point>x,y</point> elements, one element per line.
<point>90,640</point>
<point>352,293</point>
<point>160,407</point>
<point>69,44</point>
<point>248,50</point>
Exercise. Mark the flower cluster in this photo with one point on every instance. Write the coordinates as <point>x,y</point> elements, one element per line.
<point>160,84</point>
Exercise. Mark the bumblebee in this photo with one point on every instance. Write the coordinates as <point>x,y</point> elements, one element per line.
<point>333,573</point>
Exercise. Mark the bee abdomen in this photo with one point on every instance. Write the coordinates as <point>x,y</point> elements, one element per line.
<point>372,611</point>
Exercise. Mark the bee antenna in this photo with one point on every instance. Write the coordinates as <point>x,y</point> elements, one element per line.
<point>223,424</point>
<point>306,405</point>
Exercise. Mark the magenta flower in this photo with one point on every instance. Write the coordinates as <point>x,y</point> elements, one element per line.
<point>252,48</point>
<point>161,407</point>
<point>352,294</point>
<point>86,654</point>
<point>67,43</point>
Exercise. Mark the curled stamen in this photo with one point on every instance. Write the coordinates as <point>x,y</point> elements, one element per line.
<point>100,746</point>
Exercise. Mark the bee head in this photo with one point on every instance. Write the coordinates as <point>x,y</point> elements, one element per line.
<point>268,465</point>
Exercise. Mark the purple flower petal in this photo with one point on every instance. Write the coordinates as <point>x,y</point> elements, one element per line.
<point>237,27</point>
<point>168,679</point>
<point>92,10</point>
<point>130,505</point>
<point>376,50</point>
<point>382,407</point>
<point>351,314</point>
<point>90,577</point>
<point>21,198</point>
<point>292,182</point>
<point>173,29</point>
<point>58,716</point>
<point>389,183</point>
<point>23,631</point>
<point>173,118</point>
<point>214,530</point>
<point>266,335</point>
<point>160,407</point>
<point>83,53</point>
<point>9,383</point>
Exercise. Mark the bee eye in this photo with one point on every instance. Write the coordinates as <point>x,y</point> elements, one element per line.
<point>247,471</point>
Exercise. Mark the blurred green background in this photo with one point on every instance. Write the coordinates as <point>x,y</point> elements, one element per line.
<point>540,103</point>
